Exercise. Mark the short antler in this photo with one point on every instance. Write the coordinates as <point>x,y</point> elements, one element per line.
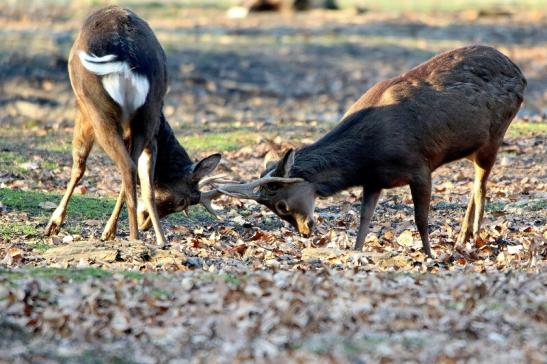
<point>206,199</point>
<point>247,190</point>
<point>219,178</point>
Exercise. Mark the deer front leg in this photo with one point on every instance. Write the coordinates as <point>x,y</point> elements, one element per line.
<point>146,166</point>
<point>368,204</point>
<point>421,196</point>
<point>82,143</point>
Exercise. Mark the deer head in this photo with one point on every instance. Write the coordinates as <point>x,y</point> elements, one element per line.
<point>180,193</point>
<point>292,199</point>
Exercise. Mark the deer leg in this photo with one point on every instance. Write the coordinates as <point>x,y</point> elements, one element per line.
<point>146,167</point>
<point>82,142</point>
<point>483,166</point>
<point>467,222</point>
<point>421,196</point>
<point>368,204</point>
<point>483,162</point>
<point>108,136</point>
<point>109,232</point>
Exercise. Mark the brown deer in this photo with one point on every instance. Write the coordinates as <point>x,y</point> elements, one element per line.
<point>456,105</point>
<point>117,70</point>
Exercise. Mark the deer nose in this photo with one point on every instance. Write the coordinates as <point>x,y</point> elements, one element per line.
<point>307,228</point>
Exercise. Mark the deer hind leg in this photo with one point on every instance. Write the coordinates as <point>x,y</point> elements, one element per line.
<point>483,166</point>
<point>82,143</point>
<point>483,162</point>
<point>111,226</point>
<point>109,232</point>
<point>109,136</point>
<point>420,188</point>
<point>467,222</point>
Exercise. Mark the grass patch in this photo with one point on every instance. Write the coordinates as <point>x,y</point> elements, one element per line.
<point>41,246</point>
<point>75,274</point>
<point>196,215</point>
<point>11,161</point>
<point>10,229</point>
<point>523,128</point>
<point>218,142</point>
<point>81,207</point>
<point>232,279</point>
<point>160,293</point>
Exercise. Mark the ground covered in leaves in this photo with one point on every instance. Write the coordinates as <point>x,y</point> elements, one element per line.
<point>248,287</point>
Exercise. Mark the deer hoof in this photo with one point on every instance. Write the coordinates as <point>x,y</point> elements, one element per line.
<point>162,243</point>
<point>52,228</point>
<point>108,235</point>
<point>463,237</point>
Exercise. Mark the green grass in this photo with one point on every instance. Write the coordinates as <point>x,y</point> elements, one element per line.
<point>521,128</point>
<point>218,142</point>
<point>11,161</point>
<point>232,279</point>
<point>10,229</point>
<point>41,246</point>
<point>79,207</point>
<point>75,274</point>
<point>83,274</point>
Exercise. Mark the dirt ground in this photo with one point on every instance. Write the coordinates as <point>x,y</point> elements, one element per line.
<point>248,287</point>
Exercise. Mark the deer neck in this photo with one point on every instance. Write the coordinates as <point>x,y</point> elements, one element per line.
<point>172,161</point>
<point>321,166</point>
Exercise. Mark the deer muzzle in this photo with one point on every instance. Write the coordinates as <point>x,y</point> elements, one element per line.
<point>304,225</point>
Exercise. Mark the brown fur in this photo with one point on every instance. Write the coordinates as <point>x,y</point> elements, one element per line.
<point>144,137</point>
<point>458,104</point>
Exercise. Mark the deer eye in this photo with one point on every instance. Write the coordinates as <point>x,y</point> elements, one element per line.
<point>282,207</point>
<point>272,187</point>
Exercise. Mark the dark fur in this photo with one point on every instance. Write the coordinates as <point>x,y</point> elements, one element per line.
<point>131,39</point>
<point>129,135</point>
<point>173,161</point>
<point>440,111</point>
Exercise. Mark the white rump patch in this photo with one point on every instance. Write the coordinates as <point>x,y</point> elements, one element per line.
<point>127,88</point>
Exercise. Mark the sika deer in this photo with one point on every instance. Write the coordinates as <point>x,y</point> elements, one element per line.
<point>456,105</point>
<point>118,72</point>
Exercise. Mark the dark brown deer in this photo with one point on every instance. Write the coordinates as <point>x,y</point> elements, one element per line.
<point>118,73</point>
<point>456,105</point>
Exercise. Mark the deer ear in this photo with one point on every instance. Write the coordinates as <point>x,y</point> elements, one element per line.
<point>270,159</point>
<point>205,166</point>
<point>284,166</point>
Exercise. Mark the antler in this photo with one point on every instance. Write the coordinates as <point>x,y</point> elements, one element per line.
<point>206,199</point>
<point>247,190</point>
<point>212,179</point>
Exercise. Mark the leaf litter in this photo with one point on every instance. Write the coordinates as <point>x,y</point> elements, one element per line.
<point>249,288</point>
